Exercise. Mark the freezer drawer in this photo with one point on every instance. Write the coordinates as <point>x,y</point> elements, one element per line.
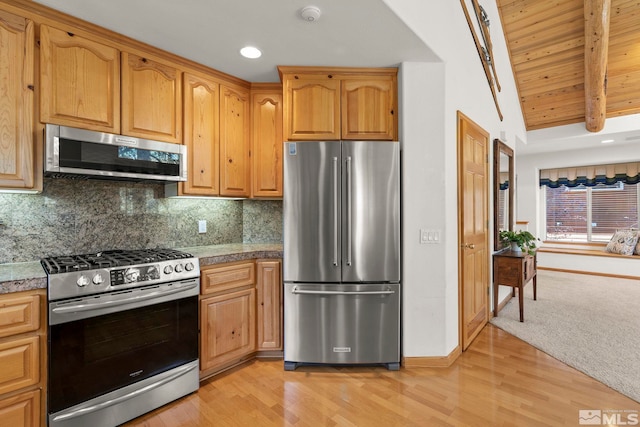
<point>342,324</point>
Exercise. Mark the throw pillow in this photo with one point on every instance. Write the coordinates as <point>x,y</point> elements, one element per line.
<point>623,242</point>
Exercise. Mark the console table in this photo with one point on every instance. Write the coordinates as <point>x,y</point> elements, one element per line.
<point>513,269</point>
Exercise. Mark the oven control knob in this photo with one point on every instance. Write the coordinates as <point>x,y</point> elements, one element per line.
<point>97,279</point>
<point>168,269</point>
<point>82,281</point>
<point>189,266</point>
<point>178,268</point>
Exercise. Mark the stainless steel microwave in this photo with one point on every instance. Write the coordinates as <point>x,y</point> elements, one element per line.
<point>81,152</point>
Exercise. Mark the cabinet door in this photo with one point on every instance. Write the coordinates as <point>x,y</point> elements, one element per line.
<point>311,107</point>
<point>267,143</point>
<point>19,363</point>
<point>235,169</point>
<point>201,135</point>
<point>151,99</point>
<point>22,410</point>
<point>19,314</point>
<point>269,286</point>
<point>17,150</point>
<point>80,81</point>
<point>227,328</point>
<point>369,108</point>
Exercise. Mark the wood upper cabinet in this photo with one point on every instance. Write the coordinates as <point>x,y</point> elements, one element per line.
<point>266,141</point>
<point>269,287</point>
<point>17,148</point>
<point>311,106</point>
<point>80,81</point>
<point>151,99</point>
<point>235,167</point>
<point>322,103</point>
<point>369,108</point>
<point>201,135</point>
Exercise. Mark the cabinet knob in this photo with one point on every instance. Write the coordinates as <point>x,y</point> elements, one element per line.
<point>230,160</point>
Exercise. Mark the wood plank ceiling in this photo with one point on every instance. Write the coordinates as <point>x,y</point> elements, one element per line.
<point>546,43</point>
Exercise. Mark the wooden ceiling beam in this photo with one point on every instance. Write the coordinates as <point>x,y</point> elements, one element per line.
<point>596,48</point>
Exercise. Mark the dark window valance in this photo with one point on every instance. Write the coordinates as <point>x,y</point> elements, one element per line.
<point>591,175</point>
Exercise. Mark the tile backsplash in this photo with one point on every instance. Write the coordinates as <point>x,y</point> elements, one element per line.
<point>83,216</point>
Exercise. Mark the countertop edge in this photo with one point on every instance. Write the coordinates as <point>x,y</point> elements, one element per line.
<point>28,276</point>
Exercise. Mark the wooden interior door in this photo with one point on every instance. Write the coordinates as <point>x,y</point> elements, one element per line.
<point>473,259</point>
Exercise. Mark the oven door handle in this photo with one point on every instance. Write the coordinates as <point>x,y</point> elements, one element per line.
<point>93,408</point>
<point>104,304</point>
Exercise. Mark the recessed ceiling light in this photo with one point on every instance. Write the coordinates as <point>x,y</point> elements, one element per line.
<point>607,141</point>
<point>250,52</point>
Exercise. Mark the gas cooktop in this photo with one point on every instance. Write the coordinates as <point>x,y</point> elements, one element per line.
<point>107,259</point>
<point>71,276</point>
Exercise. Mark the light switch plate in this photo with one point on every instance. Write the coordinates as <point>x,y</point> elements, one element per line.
<point>429,236</point>
<point>202,226</point>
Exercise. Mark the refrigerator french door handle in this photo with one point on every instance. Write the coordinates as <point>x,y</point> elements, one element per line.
<point>295,290</point>
<point>335,211</point>
<point>349,213</point>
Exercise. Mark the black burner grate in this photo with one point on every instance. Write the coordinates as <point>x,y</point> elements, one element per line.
<point>107,259</point>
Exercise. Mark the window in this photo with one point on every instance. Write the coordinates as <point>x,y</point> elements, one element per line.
<point>591,214</point>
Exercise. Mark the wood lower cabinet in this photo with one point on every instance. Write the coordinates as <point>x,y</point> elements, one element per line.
<point>229,320</point>
<point>235,142</point>
<point>22,359</point>
<point>269,286</point>
<point>18,153</point>
<point>79,81</point>
<point>240,313</point>
<point>151,99</point>
<point>266,141</point>
<point>21,410</point>
<point>227,316</point>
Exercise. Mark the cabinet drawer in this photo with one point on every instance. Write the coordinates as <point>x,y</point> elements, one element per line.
<point>22,410</point>
<point>227,276</point>
<point>19,364</point>
<point>19,314</point>
<point>529,268</point>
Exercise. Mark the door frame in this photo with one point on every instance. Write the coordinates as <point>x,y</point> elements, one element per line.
<point>460,118</point>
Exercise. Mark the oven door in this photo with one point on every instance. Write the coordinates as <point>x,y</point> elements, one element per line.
<point>94,355</point>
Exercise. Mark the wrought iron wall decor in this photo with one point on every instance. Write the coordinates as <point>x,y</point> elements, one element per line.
<point>485,51</point>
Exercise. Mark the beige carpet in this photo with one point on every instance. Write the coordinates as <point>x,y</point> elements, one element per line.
<point>591,323</point>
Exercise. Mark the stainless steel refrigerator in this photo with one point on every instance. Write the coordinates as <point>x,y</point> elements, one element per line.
<point>341,253</point>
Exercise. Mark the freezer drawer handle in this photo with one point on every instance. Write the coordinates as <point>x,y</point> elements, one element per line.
<point>295,290</point>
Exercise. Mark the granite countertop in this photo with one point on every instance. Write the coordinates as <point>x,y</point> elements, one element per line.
<point>26,276</point>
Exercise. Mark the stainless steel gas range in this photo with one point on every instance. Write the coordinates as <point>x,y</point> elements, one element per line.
<point>123,334</point>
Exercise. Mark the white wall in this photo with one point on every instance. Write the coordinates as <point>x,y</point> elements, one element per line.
<point>430,96</point>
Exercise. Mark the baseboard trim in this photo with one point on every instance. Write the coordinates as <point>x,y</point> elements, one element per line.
<point>591,273</point>
<point>432,361</point>
<point>502,304</point>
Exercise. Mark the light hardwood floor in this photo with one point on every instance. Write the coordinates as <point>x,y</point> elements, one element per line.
<point>499,381</point>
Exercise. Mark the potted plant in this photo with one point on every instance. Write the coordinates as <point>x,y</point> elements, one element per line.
<point>520,240</point>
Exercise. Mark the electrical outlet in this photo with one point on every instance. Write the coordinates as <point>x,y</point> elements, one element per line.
<point>202,226</point>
